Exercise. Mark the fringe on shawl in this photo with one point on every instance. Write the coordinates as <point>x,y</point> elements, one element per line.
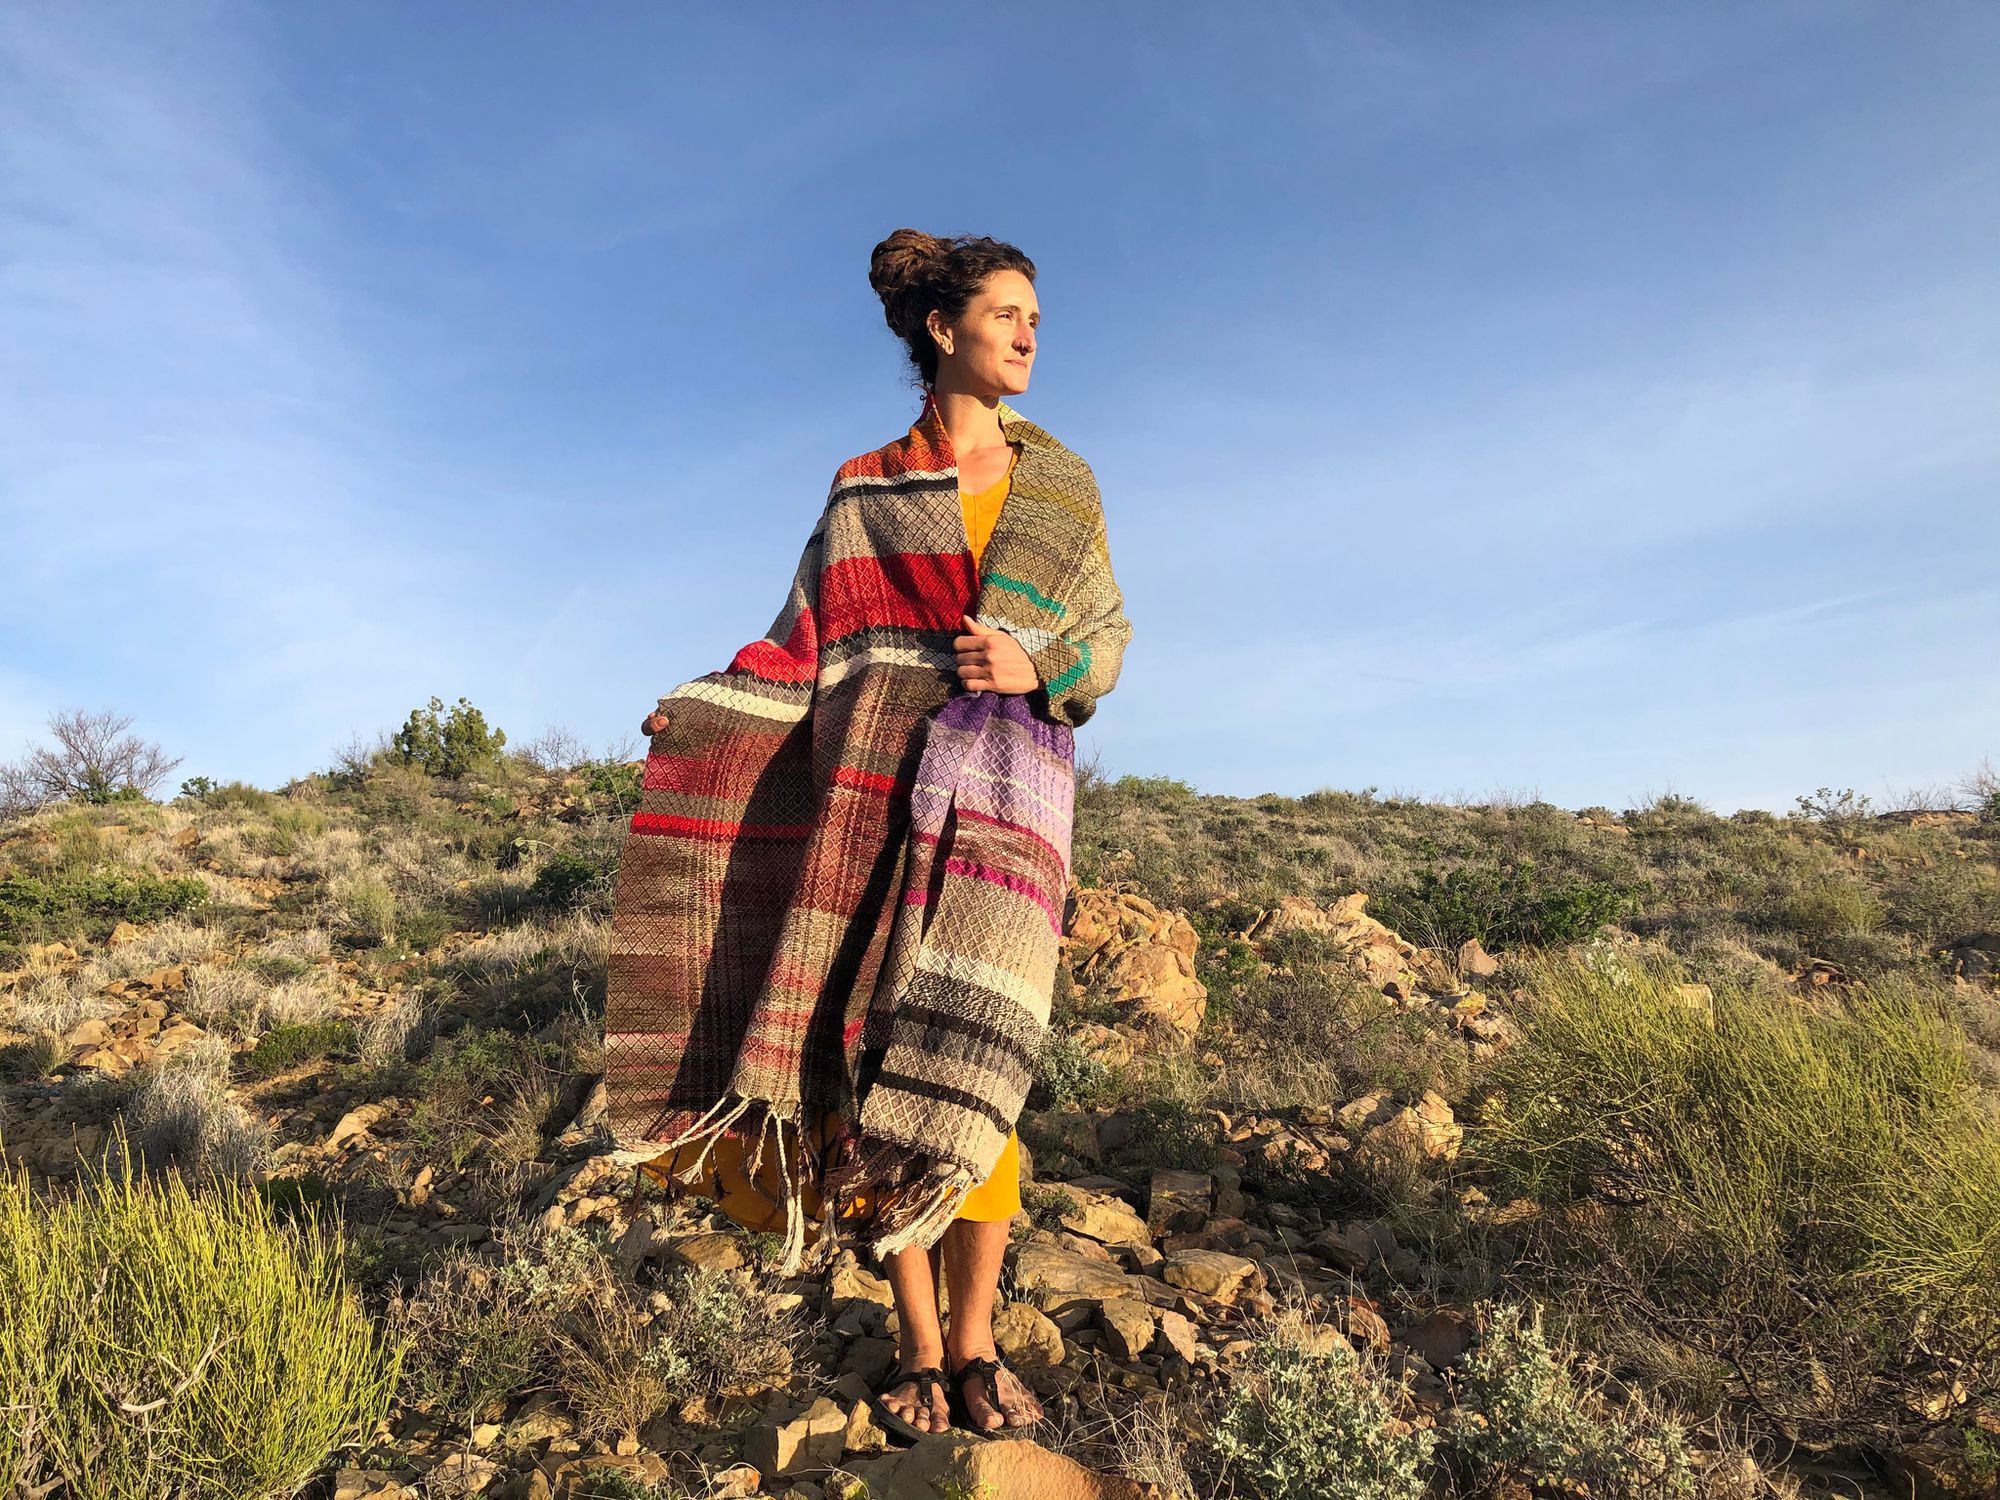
<point>917,1197</point>
<point>727,1116</point>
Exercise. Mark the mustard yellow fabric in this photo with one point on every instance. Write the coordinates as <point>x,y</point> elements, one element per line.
<point>759,1206</point>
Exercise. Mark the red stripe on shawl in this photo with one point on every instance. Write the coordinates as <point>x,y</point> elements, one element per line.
<point>700,775</point>
<point>925,590</point>
<point>1006,879</point>
<point>965,813</point>
<point>655,825</point>
<point>795,661</point>
<point>864,781</point>
<point>912,452</point>
<point>1019,884</point>
<point>784,1052</point>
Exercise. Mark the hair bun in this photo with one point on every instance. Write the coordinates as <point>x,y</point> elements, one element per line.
<point>906,259</point>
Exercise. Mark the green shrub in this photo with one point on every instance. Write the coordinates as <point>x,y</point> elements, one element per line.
<point>1067,1076</point>
<point>483,1088</point>
<point>720,1333</point>
<point>1503,906</point>
<point>609,785</point>
<point>90,903</point>
<point>568,881</point>
<point>1307,1420</point>
<point>369,908</point>
<point>1174,1133</point>
<point>1809,1198</point>
<point>446,743</point>
<point>1527,1415</point>
<point>153,1342</point>
<point>425,927</point>
<point>284,1047</point>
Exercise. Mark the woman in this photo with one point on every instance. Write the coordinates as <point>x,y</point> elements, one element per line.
<point>839,910</point>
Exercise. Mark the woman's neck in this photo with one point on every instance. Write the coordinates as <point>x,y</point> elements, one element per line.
<point>972,421</point>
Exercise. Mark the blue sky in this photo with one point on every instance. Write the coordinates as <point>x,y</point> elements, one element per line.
<point>1573,401</point>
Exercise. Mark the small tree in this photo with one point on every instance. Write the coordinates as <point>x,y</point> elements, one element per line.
<point>93,760</point>
<point>446,743</point>
<point>1837,809</point>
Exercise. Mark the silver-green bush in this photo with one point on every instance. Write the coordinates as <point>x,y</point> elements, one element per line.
<point>1310,1421</point>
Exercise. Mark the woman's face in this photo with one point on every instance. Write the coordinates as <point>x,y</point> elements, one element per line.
<point>993,344</point>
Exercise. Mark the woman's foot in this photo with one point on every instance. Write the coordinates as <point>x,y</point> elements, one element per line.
<point>905,1398</point>
<point>977,1385</point>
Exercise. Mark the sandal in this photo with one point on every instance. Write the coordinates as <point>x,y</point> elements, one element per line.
<point>903,1427</point>
<point>961,1410</point>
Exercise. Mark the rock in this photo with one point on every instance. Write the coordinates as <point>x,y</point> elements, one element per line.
<point>177,1036</point>
<point>108,1060</point>
<point>1177,1335</point>
<point>813,1440</point>
<point>123,933</point>
<point>738,1482</point>
<point>91,1033</point>
<point>367,1484</point>
<point>1069,1132</point>
<point>952,1462</point>
<point>1362,1323</point>
<point>1139,956</point>
<point>461,1474</point>
<point>1106,1044</point>
<point>1475,962</point>
<point>1424,1132</point>
<point>643,1240</point>
<point>715,1252</point>
<point>1367,1111</point>
<point>1178,1200</point>
<point>1213,1273</point>
<point>1128,1328</point>
<point>1056,1280</point>
<point>1026,1336</point>
<point>851,1282</point>
<point>354,1124</point>
<point>1344,1249</point>
<point>1441,1338</point>
<point>1098,1216</point>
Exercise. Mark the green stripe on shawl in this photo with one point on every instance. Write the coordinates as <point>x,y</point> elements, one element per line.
<point>1054,606</point>
<point>1015,585</point>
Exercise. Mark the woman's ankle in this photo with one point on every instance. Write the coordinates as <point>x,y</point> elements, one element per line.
<point>974,1344</point>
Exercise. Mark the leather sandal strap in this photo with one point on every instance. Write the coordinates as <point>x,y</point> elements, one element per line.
<point>988,1370</point>
<point>924,1380</point>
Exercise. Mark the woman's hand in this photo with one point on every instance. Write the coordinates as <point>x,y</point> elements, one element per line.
<point>993,661</point>
<point>653,723</point>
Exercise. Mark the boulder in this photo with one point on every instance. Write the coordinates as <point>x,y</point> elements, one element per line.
<point>952,1462</point>
<point>1213,1273</point>
<point>1096,1215</point>
<point>815,1439</point>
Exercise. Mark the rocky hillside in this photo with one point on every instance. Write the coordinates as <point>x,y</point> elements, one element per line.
<point>1329,1176</point>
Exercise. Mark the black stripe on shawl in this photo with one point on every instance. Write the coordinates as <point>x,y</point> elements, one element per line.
<point>956,1025</point>
<point>930,1089</point>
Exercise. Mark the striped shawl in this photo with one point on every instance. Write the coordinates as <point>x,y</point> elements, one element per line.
<point>843,888</point>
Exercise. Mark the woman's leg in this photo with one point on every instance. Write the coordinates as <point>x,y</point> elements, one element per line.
<point>973,1250</point>
<point>913,1280</point>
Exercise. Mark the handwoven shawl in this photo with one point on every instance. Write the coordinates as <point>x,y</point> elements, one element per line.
<point>843,887</point>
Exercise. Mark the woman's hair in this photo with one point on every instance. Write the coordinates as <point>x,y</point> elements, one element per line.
<point>913,272</point>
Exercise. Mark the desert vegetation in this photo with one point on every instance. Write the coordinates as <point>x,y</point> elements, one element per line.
<point>1381,1147</point>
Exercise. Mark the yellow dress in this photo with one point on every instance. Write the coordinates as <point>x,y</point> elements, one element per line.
<point>723,1177</point>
